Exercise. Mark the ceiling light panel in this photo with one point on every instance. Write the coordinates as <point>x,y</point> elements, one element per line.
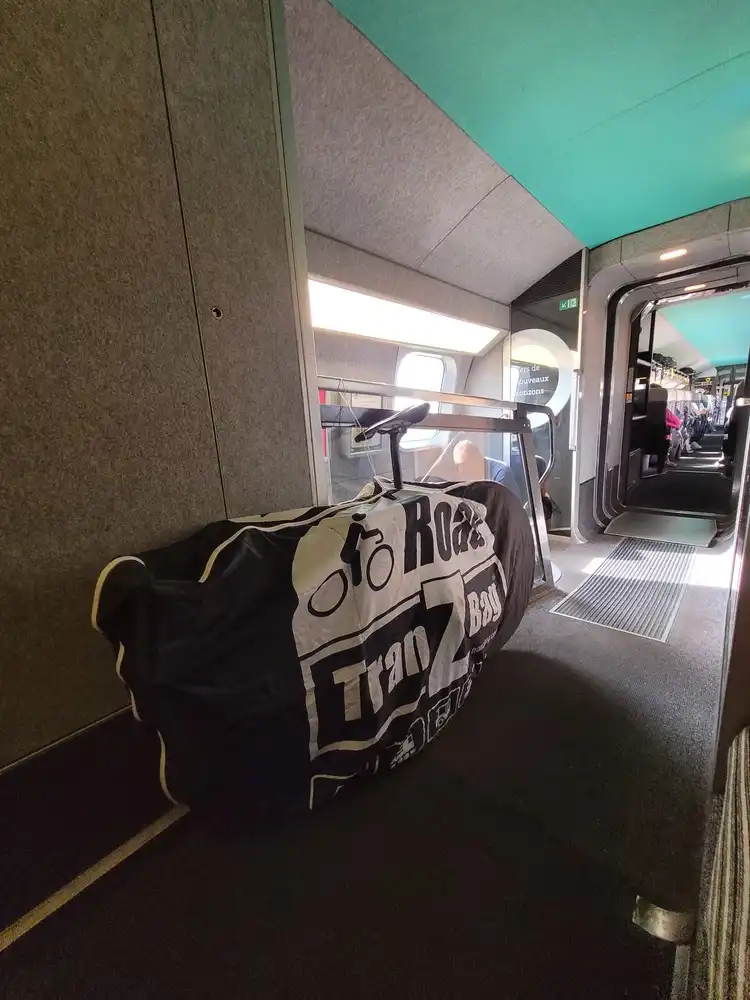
<point>673,254</point>
<point>342,310</point>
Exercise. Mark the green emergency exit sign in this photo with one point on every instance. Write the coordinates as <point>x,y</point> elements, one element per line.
<point>569,303</point>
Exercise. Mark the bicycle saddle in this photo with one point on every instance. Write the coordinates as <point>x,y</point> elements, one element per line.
<point>397,423</point>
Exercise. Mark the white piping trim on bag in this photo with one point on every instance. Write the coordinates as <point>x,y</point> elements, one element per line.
<point>100,584</point>
<point>321,514</point>
<point>269,528</point>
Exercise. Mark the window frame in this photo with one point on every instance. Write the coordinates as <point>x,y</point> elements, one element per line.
<point>417,437</point>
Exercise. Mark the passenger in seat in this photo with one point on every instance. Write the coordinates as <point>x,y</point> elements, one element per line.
<point>673,450</point>
<point>550,507</point>
<point>472,465</point>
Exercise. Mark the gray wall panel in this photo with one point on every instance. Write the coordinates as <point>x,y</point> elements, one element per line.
<point>346,265</point>
<point>107,445</point>
<point>739,214</point>
<point>505,244</point>
<point>486,375</point>
<point>385,170</point>
<point>606,255</point>
<point>702,251</point>
<point>355,357</point>
<point>382,166</point>
<point>739,242</point>
<point>671,235</point>
<point>217,70</point>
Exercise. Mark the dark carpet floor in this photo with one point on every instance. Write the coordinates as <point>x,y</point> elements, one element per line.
<point>418,886</point>
<point>501,863</point>
<point>63,810</point>
<point>699,492</point>
<point>606,738</point>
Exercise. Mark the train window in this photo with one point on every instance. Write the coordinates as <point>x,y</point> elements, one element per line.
<point>419,371</point>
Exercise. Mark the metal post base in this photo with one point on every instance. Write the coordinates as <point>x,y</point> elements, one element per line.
<point>681,973</point>
<point>667,925</point>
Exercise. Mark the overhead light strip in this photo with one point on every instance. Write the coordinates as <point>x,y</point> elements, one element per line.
<point>342,310</point>
<point>672,254</point>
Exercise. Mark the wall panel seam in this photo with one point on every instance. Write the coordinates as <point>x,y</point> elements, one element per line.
<point>193,289</point>
<point>463,219</point>
<point>476,296</point>
<point>295,240</point>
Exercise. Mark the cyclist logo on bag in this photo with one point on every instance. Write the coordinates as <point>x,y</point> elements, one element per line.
<point>379,565</point>
<point>394,605</point>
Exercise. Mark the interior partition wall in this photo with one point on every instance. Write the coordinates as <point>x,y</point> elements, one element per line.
<point>154,352</point>
<point>716,244</point>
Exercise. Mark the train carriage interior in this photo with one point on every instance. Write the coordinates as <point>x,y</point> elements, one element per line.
<point>463,283</point>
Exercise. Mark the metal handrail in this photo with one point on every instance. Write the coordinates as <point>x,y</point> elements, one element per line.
<point>429,395</point>
<point>332,416</point>
<point>338,415</point>
<point>446,421</point>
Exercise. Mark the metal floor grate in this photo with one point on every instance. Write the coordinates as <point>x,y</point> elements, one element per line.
<point>637,589</point>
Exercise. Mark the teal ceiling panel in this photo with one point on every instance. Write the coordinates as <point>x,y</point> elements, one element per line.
<point>690,150</point>
<point>614,116</point>
<point>718,327</point>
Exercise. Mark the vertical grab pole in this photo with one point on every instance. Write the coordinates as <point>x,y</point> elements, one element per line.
<point>538,523</point>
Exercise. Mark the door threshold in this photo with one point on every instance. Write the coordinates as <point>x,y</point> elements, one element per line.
<point>675,511</point>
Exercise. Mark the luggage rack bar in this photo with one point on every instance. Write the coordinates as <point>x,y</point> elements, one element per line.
<point>388,391</point>
<point>336,415</point>
<point>332,384</point>
<point>344,415</point>
<point>514,425</point>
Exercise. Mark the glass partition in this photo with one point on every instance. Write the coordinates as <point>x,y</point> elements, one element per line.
<point>449,456</point>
